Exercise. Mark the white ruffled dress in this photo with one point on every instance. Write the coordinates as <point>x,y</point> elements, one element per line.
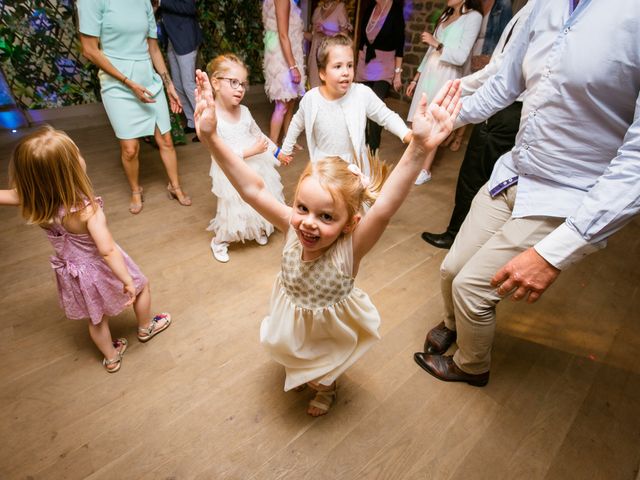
<point>277,79</point>
<point>319,324</point>
<point>236,220</point>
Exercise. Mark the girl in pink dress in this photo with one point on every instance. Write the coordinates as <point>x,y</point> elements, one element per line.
<point>95,277</point>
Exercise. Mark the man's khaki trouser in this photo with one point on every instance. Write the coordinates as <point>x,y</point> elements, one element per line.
<point>487,240</point>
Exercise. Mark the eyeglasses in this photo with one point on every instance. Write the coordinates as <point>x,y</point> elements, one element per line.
<point>235,83</point>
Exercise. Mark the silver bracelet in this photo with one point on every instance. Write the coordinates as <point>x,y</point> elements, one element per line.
<point>294,66</point>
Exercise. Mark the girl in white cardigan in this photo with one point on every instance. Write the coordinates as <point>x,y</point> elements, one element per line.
<point>335,114</point>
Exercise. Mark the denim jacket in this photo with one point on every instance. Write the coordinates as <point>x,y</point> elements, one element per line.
<point>499,16</point>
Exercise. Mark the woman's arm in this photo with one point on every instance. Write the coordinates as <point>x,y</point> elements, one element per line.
<point>248,183</point>
<point>431,125</point>
<point>457,54</point>
<point>97,226</point>
<point>282,21</point>
<point>91,50</point>
<point>158,63</point>
<point>9,198</point>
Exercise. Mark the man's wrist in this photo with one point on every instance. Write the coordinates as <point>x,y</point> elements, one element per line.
<point>564,246</point>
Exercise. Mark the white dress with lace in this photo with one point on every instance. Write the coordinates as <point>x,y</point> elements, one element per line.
<point>277,78</point>
<point>319,324</point>
<point>236,220</point>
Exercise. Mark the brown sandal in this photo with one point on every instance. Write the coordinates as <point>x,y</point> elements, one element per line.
<point>136,207</point>
<point>323,400</point>
<point>184,199</point>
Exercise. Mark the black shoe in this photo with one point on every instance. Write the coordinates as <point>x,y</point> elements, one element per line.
<point>195,139</point>
<point>439,240</point>
<point>189,130</point>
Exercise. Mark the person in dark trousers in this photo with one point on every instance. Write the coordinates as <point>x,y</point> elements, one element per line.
<point>489,140</point>
<point>179,22</point>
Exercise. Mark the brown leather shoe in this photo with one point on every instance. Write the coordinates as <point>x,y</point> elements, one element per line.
<point>439,339</point>
<point>444,368</point>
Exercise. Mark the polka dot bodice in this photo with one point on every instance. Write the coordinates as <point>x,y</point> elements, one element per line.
<point>315,284</point>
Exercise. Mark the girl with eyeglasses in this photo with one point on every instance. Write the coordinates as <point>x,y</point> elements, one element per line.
<point>235,220</point>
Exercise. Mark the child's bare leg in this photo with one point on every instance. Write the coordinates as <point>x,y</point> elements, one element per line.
<point>101,336</point>
<point>142,307</point>
<point>148,326</point>
<point>325,397</point>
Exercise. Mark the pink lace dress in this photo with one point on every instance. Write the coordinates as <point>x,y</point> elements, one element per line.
<point>87,287</point>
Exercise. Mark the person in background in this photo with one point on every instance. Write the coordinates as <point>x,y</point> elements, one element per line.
<point>380,55</point>
<point>283,65</point>
<point>571,181</point>
<point>496,14</point>
<point>489,140</point>
<point>329,18</point>
<point>121,40</point>
<point>179,21</point>
<point>448,54</point>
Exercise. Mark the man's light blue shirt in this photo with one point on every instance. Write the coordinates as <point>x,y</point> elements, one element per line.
<point>577,153</point>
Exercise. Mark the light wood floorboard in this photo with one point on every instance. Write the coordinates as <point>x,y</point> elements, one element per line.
<point>204,401</point>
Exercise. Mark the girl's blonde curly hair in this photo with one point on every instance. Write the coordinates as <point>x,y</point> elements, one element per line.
<point>336,177</point>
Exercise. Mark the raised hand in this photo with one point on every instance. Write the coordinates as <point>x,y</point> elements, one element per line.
<point>433,123</point>
<point>204,115</point>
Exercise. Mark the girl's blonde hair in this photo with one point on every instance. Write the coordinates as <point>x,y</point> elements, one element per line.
<point>336,177</point>
<point>322,54</point>
<point>220,65</point>
<point>46,172</point>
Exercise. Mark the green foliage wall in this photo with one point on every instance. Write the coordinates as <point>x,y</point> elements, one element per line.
<point>233,26</point>
<point>40,56</point>
<point>40,53</point>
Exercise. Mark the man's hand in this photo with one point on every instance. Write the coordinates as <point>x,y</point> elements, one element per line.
<point>527,275</point>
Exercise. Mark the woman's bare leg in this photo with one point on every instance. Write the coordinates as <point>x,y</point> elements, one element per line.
<point>170,160</point>
<point>129,151</point>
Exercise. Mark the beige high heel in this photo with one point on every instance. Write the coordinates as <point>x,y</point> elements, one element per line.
<point>136,207</point>
<point>172,193</point>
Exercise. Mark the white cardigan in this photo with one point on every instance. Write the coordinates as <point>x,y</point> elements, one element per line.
<point>358,104</point>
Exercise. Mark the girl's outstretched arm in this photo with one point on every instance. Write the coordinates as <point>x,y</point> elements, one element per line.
<point>431,125</point>
<point>97,226</point>
<point>247,182</point>
<point>9,197</point>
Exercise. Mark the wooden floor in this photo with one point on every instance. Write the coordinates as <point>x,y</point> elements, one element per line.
<point>204,401</point>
